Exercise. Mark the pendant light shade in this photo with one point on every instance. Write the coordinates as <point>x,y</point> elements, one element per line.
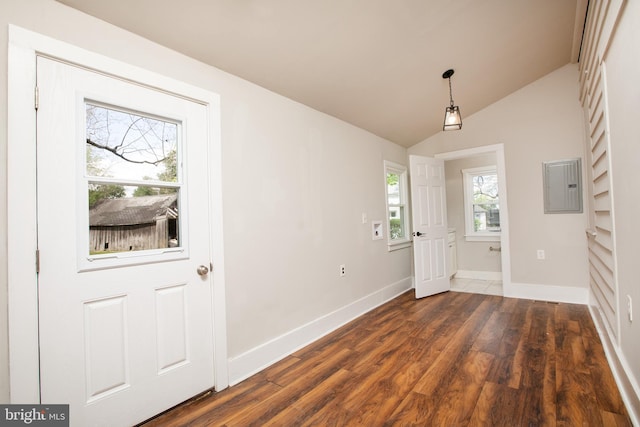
<point>452,117</point>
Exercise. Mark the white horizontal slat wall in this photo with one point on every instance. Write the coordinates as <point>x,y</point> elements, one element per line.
<point>602,268</point>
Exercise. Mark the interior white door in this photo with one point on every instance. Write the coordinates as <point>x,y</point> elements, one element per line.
<point>429,219</point>
<point>125,306</point>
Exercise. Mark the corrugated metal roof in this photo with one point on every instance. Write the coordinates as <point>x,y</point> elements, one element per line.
<point>132,210</point>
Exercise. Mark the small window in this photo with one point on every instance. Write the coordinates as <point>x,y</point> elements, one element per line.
<point>482,204</point>
<point>123,152</point>
<point>397,207</point>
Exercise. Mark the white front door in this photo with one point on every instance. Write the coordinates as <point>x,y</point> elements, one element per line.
<point>125,298</point>
<point>429,211</point>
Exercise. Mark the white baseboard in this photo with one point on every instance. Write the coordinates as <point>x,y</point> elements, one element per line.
<point>478,275</point>
<point>627,383</point>
<point>258,358</point>
<point>552,293</point>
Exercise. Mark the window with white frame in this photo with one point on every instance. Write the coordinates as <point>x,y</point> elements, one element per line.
<point>397,206</point>
<point>481,204</point>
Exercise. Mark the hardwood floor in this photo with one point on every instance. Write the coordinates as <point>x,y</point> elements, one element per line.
<point>454,359</point>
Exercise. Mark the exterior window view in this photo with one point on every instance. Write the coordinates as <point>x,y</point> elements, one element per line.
<point>482,203</point>
<point>397,229</point>
<point>124,152</point>
<point>486,204</point>
<point>396,190</point>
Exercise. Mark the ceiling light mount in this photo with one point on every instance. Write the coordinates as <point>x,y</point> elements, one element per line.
<point>447,74</point>
<point>452,117</point>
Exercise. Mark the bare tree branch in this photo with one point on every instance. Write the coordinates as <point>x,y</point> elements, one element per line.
<point>114,151</point>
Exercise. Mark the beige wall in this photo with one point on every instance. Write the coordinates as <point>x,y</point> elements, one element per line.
<point>623,95</point>
<point>541,122</point>
<point>295,185</point>
<point>471,256</point>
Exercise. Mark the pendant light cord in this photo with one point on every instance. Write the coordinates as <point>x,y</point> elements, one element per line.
<point>450,93</point>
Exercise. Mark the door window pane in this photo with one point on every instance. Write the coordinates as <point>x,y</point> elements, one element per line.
<point>134,223</point>
<point>130,146</point>
<point>124,151</point>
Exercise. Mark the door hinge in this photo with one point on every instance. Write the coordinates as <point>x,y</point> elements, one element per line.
<point>37,261</point>
<point>36,98</point>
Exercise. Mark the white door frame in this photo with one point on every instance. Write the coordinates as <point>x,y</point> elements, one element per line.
<point>24,45</point>
<point>505,253</point>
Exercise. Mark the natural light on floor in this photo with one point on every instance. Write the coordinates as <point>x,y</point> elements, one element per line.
<point>477,286</point>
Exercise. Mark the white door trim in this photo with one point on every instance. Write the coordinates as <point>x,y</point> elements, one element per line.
<point>505,253</point>
<point>24,45</point>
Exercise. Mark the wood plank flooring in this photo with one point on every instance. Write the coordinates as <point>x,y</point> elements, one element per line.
<point>453,359</point>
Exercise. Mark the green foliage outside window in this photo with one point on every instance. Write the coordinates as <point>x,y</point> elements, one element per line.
<point>395,229</point>
<point>109,191</point>
<point>395,177</point>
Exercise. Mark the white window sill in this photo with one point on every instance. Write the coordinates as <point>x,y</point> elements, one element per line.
<point>494,237</point>
<point>396,245</point>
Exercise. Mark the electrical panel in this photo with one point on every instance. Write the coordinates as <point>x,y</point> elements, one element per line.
<point>562,186</point>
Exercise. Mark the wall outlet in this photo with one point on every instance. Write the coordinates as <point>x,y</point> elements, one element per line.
<point>541,254</point>
<point>342,270</point>
<point>630,308</point>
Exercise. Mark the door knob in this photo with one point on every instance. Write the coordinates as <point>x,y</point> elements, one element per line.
<point>417,233</point>
<point>202,270</point>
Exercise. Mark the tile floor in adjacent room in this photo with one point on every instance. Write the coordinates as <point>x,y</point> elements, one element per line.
<point>477,286</point>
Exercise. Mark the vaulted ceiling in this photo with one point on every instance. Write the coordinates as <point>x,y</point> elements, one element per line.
<point>377,64</point>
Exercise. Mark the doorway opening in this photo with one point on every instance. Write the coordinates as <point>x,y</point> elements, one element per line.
<point>477,217</point>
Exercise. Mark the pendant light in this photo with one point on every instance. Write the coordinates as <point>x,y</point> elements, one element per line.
<point>452,117</point>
